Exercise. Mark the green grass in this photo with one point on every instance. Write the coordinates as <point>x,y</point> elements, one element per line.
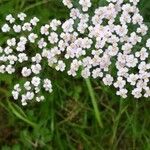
<point>79,114</point>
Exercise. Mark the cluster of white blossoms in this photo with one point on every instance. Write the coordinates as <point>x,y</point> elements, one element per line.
<point>20,56</point>
<point>107,44</point>
<point>31,90</point>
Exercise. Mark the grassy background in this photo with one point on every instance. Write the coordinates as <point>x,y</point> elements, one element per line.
<point>79,114</point>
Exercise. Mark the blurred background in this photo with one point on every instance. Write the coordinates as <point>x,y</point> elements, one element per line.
<point>69,119</point>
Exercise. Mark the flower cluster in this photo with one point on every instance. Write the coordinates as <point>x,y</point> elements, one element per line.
<point>16,58</point>
<point>99,45</point>
<point>31,89</point>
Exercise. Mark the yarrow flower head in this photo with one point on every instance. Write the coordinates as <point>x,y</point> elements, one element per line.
<point>16,57</point>
<point>99,45</point>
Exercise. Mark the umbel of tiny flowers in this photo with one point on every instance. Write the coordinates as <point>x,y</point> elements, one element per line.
<point>31,89</point>
<point>98,45</point>
<point>16,57</point>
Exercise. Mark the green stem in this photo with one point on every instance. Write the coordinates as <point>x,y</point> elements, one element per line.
<point>94,103</point>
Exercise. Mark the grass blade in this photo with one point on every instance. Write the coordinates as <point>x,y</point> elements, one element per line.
<point>20,115</point>
<point>94,103</point>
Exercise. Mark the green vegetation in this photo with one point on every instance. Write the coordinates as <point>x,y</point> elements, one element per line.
<point>79,114</point>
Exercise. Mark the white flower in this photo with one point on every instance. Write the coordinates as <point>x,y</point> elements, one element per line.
<point>135,2</point>
<point>32,37</point>
<point>34,21</point>
<point>142,29</point>
<point>37,89</point>
<point>20,47</point>
<point>108,80</point>
<point>29,95</point>
<point>53,38</point>
<point>22,57</point>
<point>27,85</point>
<point>132,79</point>
<point>45,29</point>
<point>68,3</point>
<point>112,50</point>
<point>137,18</point>
<point>27,26</point>
<point>85,73</point>
<point>17,88</point>
<point>22,16</point>
<point>82,27</point>
<point>148,43</point>
<point>5,28</point>
<point>60,66</point>
<point>147,92</point>
<point>23,40</point>
<point>23,100</point>
<point>137,92</point>
<point>17,28</point>
<point>85,4</point>
<point>36,81</point>
<point>12,59</point>
<point>10,18</point>
<point>143,67</point>
<point>16,91</point>
<point>11,42</point>
<point>10,69</point>
<point>37,58</point>
<point>1,49</point>
<point>120,83</point>
<point>122,93</point>
<point>54,24</point>
<point>97,73</point>
<point>47,85</point>
<point>39,99</point>
<point>15,95</point>
<point>67,26</point>
<point>2,69</point>
<point>26,72</point>
<point>36,68</point>
<point>42,43</point>
<point>8,50</point>
<point>131,61</point>
<point>143,54</point>
<point>74,13</point>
